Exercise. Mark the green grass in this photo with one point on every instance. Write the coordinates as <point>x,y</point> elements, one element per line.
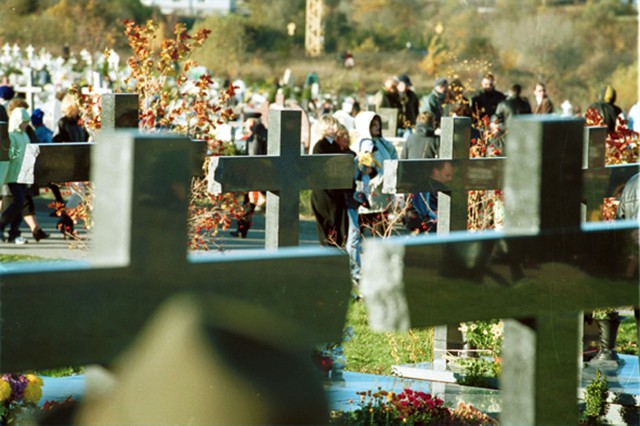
<point>627,341</point>
<point>6,258</point>
<point>375,353</point>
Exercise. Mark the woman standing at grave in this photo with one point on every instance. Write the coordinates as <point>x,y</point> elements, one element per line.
<point>370,140</point>
<point>70,128</point>
<point>29,211</point>
<point>18,122</point>
<point>328,205</point>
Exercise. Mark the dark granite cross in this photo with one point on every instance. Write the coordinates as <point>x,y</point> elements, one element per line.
<point>283,172</point>
<point>553,269</point>
<point>76,313</point>
<point>408,176</point>
<point>71,161</point>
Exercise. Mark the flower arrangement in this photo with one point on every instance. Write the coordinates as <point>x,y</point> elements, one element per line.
<point>484,339</point>
<point>408,407</point>
<point>330,358</point>
<point>19,394</point>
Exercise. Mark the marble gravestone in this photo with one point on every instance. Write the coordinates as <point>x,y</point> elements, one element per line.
<point>549,269</point>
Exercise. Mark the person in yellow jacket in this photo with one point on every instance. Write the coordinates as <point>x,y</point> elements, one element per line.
<point>12,215</point>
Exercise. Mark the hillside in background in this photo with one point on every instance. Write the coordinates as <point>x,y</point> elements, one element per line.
<point>573,46</point>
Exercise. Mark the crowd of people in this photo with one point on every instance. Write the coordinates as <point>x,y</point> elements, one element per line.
<point>17,188</point>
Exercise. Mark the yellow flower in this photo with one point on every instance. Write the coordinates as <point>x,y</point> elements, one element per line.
<point>5,390</point>
<point>33,390</point>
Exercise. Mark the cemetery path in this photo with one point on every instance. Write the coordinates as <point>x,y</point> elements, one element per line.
<point>55,247</point>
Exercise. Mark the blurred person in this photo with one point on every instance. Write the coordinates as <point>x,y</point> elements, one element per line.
<point>329,205</point>
<point>423,143</point>
<point>13,213</point>
<point>370,140</point>
<point>487,99</point>
<point>607,108</point>
<point>70,128</point>
<point>543,103</point>
<point>409,105</point>
<point>434,102</point>
<point>387,96</point>
<point>421,214</point>
<point>29,212</point>
<point>514,104</point>
<point>634,117</point>
<point>42,132</point>
<point>256,135</point>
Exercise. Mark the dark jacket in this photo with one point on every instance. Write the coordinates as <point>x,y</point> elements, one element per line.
<point>433,103</point>
<point>328,205</point>
<point>257,142</point>
<point>423,143</point>
<point>513,105</point>
<point>409,108</point>
<point>70,130</point>
<point>486,103</point>
<point>607,108</point>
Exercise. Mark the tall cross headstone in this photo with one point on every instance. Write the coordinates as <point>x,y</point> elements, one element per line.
<point>283,173</point>
<point>87,312</point>
<point>553,270</point>
<point>29,89</point>
<point>408,176</point>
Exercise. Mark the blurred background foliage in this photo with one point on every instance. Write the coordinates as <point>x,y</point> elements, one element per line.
<point>575,46</point>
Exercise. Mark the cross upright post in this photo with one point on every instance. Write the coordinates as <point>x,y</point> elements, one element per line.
<point>283,173</point>
<point>77,313</point>
<point>552,269</point>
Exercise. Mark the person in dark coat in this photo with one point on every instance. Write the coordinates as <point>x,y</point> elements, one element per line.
<point>328,205</point>
<point>409,105</point>
<point>423,143</point>
<point>256,137</point>
<point>387,96</point>
<point>434,102</point>
<point>607,108</point>
<point>514,104</point>
<point>69,127</point>
<point>487,100</point>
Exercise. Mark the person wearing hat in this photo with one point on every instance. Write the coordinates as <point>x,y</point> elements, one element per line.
<point>43,133</point>
<point>433,102</point>
<point>607,108</point>
<point>409,106</point>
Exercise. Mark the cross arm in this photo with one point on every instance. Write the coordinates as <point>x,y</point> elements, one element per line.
<point>448,280</point>
<point>271,173</point>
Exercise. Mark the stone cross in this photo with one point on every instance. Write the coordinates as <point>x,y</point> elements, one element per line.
<point>29,89</point>
<point>600,181</point>
<point>408,176</point>
<point>283,172</point>
<point>75,313</point>
<point>551,271</point>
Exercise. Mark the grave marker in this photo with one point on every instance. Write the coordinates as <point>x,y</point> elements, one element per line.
<point>553,271</point>
<point>76,313</point>
<point>407,176</point>
<point>283,173</point>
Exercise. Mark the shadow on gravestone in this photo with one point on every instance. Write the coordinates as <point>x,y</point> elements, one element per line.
<point>195,363</point>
